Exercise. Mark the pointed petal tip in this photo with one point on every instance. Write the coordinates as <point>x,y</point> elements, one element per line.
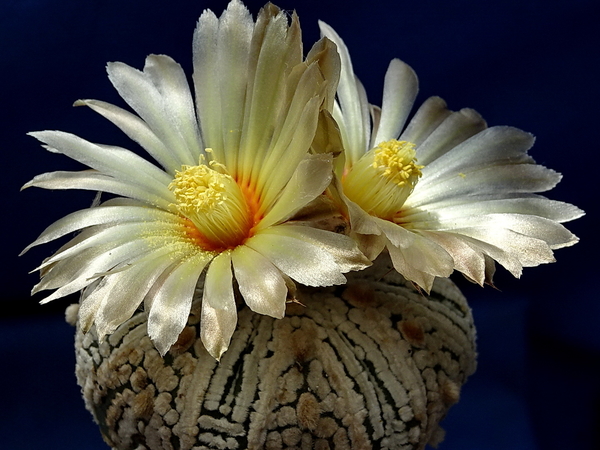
<point>576,213</point>
<point>219,355</point>
<point>44,301</point>
<point>161,345</point>
<point>34,134</point>
<point>84,326</point>
<point>215,349</point>
<point>82,102</point>
<point>26,185</point>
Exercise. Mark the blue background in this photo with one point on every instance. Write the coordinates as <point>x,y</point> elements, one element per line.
<point>532,64</point>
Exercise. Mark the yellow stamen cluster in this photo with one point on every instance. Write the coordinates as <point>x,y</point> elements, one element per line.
<point>381,181</point>
<point>396,161</point>
<point>214,203</point>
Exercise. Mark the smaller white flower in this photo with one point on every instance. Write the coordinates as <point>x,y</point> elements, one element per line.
<point>444,192</point>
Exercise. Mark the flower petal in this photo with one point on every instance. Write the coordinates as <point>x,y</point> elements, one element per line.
<point>275,51</point>
<point>491,147</point>
<point>401,263</point>
<point>399,92</point>
<point>428,117</point>
<point>534,205</point>
<point>277,172</point>
<point>170,304</point>
<point>414,255</point>
<point>107,257</point>
<point>98,216</point>
<point>550,231</point>
<point>360,221</point>
<point>114,161</point>
<point>260,282</point>
<point>219,313</point>
<point>467,258</point>
<point>498,180</point>
<point>221,53</point>
<point>126,290</point>
<point>529,251</point>
<point>95,181</point>
<point>113,235</point>
<point>310,179</point>
<point>136,129</point>
<point>139,91</point>
<point>298,258</point>
<point>342,248</point>
<point>171,82</point>
<point>370,245</point>
<point>455,129</point>
<point>353,111</point>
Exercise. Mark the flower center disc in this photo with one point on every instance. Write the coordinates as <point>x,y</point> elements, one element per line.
<point>215,204</point>
<point>381,181</point>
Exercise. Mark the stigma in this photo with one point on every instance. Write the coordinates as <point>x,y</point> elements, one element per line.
<point>381,181</point>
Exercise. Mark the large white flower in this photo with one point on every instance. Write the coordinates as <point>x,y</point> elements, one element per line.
<point>236,168</point>
<point>444,192</point>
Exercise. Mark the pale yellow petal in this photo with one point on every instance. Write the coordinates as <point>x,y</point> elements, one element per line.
<point>260,282</point>
<point>310,179</point>
<point>219,314</point>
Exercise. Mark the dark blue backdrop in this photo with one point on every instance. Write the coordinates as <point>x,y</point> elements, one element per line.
<point>528,63</point>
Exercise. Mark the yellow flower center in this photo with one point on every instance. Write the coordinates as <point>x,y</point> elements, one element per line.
<point>215,204</point>
<point>381,181</point>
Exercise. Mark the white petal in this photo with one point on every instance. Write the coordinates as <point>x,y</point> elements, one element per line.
<point>344,250</point>
<point>111,256</point>
<point>114,161</point>
<point>528,250</point>
<point>97,216</point>
<point>420,262</point>
<point>497,180</point>
<point>95,181</point>
<point>137,130</point>
<point>491,147</point>
<point>428,117</point>
<point>88,305</point>
<point>170,304</point>
<point>138,90</point>
<point>129,287</point>
<point>360,221</point>
<point>399,92</point>
<point>553,233</point>
<point>370,245</point>
<point>115,234</point>
<point>91,302</point>
<point>219,313</point>
<point>275,51</point>
<point>260,282</point>
<point>401,264</point>
<point>302,260</point>
<point>455,129</point>
<point>354,107</point>
<point>171,82</point>
<point>295,131</point>
<point>221,52</point>
<point>416,255</point>
<point>311,178</point>
<point>468,259</point>
<point>65,271</point>
<point>534,205</point>
<point>276,172</point>
<point>504,257</point>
